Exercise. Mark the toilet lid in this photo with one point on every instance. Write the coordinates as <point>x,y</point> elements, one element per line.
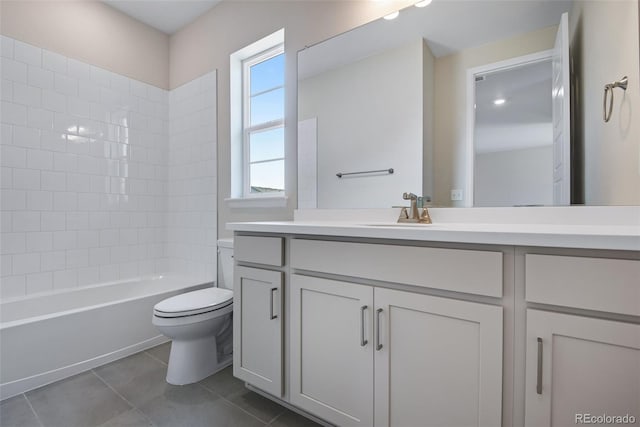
<point>194,302</point>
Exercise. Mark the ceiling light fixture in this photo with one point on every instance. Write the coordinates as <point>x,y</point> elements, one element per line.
<point>423,3</point>
<point>392,15</point>
<point>499,101</point>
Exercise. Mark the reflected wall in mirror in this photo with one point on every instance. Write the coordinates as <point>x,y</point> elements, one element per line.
<point>393,94</point>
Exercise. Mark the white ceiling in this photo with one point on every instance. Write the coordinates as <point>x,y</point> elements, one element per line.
<point>167,16</point>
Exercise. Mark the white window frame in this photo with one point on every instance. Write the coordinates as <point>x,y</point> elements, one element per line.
<point>238,197</point>
<point>247,129</point>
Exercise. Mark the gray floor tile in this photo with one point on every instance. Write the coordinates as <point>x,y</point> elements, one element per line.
<point>16,412</point>
<point>193,406</point>
<point>133,418</point>
<point>292,419</point>
<point>233,389</point>
<point>82,401</point>
<point>138,378</point>
<point>161,351</point>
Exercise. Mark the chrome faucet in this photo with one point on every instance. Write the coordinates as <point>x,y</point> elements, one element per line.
<point>416,217</point>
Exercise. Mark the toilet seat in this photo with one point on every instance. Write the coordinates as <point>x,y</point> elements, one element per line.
<point>194,303</point>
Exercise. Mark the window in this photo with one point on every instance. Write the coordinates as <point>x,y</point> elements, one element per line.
<point>263,122</point>
<point>257,124</point>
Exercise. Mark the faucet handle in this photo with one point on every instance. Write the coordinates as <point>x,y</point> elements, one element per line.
<point>409,196</point>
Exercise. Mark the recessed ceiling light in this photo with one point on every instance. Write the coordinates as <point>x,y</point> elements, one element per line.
<point>392,15</point>
<point>499,101</point>
<point>423,3</point>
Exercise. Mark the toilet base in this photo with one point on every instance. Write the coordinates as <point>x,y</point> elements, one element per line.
<point>194,360</point>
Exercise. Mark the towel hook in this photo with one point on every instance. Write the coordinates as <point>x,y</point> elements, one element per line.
<point>609,88</point>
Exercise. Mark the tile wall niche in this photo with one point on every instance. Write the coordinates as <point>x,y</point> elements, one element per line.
<point>85,176</point>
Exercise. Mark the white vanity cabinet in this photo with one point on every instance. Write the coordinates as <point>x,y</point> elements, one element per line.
<point>258,313</point>
<point>579,365</point>
<point>365,355</point>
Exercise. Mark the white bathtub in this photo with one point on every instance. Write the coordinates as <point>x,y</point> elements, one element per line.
<point>48,337</point>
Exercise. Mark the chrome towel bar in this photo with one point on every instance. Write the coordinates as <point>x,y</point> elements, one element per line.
<point>341,174</point>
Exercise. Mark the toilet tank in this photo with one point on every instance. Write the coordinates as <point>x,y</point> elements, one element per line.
<point>225,254</point>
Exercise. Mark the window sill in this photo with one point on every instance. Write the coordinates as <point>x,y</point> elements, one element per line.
<point>257,202</point>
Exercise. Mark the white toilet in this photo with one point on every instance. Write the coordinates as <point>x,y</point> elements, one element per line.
<point>200,326</point>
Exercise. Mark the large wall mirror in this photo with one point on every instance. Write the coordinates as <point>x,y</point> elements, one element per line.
<point>474,103</point>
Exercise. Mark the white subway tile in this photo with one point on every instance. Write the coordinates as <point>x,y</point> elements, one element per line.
<point>119,254</point>
<point>88,202</point>
<point>14,70</point>
<point>26,263</point>
<point>27,53</point>
<point>79,108</point>
<point>13,114</point>
<point>27,95</point>
<point>6,47</point>
<point>88,239</point>
<point>54,181</point>
<point>54,62</point>
<point>26,179</point>
<point>65,162</point>
<point>139,89</point>
<point>65,201</point>
<point>39,159</point>
<point>99,256</point>
<point>63,240</point>
<point>66,85</point>
<point>26,137</point>
<point>13,200</point>
<point>6,218</point>
<point>78,70</point>
<point>77,144</point>
<point>40,78</point>
<point>128,269</point>
<point>40,282</point>
<point>65,279</point>
<point>53,221</point>
<point>26,221</point>
<point>109,273</point>
<point>13,157</point>
<point>40,118</point>
<point>99,148</point>
<point>39,200</point>
<point>88,276</point>
<point>13,243</point>
<point>120,84</point>
<point>77,220</point>
<point>39,241</point>
<point>6,265</point>
<point>77,258</point>
<point>109,238</point>
<point>13,286</point>
<point>6,178</point>
<point>6,94</point>
<point>54,101</point>
<point>99,220</point>
<point>88,91</point>
<point>100,76</point>
<point>52,261</point>
<point>78,183</point>
<point>53,140</point>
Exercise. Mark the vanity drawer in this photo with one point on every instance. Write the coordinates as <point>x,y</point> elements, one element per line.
<point>602,284</point>
<point>469,271</point>
<point>259,250</point>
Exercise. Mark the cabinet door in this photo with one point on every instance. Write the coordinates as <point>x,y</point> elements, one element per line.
<point>438,361</point>
<point>331,350</point>
<point>257,328</point>
<point>580,365</point>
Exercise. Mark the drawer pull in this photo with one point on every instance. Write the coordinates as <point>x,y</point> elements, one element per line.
<point>272,316</point>
<point>539,377</point>
<point>363,341</point>
<point>378,345</point>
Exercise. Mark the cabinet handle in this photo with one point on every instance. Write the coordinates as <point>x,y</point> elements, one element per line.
<point>378,345</point>
<point>539,379</point>
<point>363,341</point>
<point>272,316</point>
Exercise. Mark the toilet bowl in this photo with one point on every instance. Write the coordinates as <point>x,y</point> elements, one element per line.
<point>199,324</point>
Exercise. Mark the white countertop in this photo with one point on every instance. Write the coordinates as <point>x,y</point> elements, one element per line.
<point>615,237</point>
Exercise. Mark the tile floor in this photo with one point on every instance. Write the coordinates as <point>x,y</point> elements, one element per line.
<point>132,392</point>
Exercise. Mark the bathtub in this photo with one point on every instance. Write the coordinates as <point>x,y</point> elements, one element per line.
<point>47,337</point>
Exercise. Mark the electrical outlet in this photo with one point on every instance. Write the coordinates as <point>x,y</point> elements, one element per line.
<point>456,195</point>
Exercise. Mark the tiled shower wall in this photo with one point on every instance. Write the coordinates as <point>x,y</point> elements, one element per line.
<point>85,169</point>
<point>191,220</point>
